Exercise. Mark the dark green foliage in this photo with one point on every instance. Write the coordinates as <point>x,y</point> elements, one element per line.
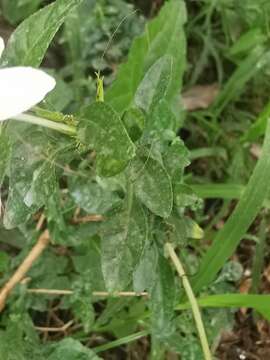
<point>119,188</point>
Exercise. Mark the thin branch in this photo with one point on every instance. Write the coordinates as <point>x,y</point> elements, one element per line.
<point>192,299</point>
<point>55,329</point>
<point>95,293</point>
<point>27,263</point>
<point>40,222</point>
<point>87,218</point>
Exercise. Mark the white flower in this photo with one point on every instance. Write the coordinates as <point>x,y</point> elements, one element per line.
<point>2,45</point>
<point>21,88</point>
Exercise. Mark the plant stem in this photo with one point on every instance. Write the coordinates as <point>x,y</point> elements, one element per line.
<point>63,128</point>
<point>25,266</point>
<point>193,302</point>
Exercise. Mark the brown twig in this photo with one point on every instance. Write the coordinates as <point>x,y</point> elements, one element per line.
<point>95,293</point>
<point>55,329</point>
<point>27,263</point>
<point>40,222</point>
<point>87,218</point>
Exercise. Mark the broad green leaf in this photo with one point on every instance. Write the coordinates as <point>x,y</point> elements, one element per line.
<point>161,122</point>
<point>5,150</point>
<point>70,349</point>
<point>152,185</point>
<point>101,128</point>
<point>20,340</point>
<point>242,217</point>
<point>123,242</point>
<point>87,257</point>
<point>154,85</point>
<point>15,11</point>
<point>162,301</point>
<point>91,196</point>
<point>32,177</point>
<point>163,36</point>
<point>258,302</point>
<point>144,277</point>
<point>134,121</point>
<point>29,42</point>
<point>176,158</point>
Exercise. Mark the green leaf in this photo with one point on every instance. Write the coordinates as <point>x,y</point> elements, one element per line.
<point>216,191</point>
<point>154,85</point>
<point>248,68</point>
<point>92,196</point>
<point>259,303</point>
<point>15,11</point>
<point>5,150</point>
<point>123,242</point>
<point>29,42</point>
<point>242,217</point>
<point>81,299</point>
<point>145,275</point>
<point>258,128</point>
<point>32,178</point>
<point>162,301</point>
<point>70,349</point>
<point>134,121</point>
<point>163,36</point>
<point>101,128</point>
<point>152,185</point>
<point>176,158</point>
<point>20,340</point>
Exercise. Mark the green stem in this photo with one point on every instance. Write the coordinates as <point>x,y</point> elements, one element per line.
<point>193,302</point>
<point>63,128</point>
<point>121,341</point>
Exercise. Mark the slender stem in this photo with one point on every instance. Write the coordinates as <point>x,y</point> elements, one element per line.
<point>94,293</point>
<point>25,266</point>
<point>193,302</point>
<point>63,128</point>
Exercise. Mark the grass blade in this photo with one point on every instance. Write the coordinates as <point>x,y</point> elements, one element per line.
<point>242,217</point>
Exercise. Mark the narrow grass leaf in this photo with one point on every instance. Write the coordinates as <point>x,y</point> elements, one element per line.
<point>242,217</point>
<point>258,302</point>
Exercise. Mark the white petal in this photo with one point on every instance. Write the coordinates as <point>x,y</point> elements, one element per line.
<point>2,45</point>
<point>21,88</point>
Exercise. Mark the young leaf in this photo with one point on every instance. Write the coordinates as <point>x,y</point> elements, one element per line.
<point>242,217</point>
<point>164,35</point>
<point>122,245</point>
<point>152,185</point>
<point>29,42</point>
<point>70,349</point>
<point>154,85</point>
<point>101,128</point>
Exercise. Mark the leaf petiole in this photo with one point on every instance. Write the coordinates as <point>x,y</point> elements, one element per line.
<point>31,119</point>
